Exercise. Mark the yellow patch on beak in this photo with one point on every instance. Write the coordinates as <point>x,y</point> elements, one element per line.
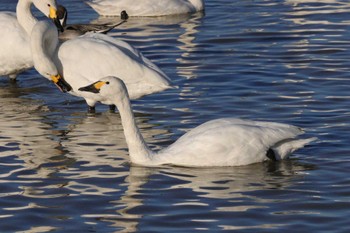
<point>98,85</point>
<point>53,13</point>
<point>55,78</point>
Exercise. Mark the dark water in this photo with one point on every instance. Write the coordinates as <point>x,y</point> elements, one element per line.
<point>282,60</point>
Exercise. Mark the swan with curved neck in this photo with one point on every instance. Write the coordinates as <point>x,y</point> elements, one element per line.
<point>83,60</point>
<point>15,30</point>
<point>146,7</point>
<point>220,142</point>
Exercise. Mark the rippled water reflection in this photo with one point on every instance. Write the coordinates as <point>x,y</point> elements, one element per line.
<point>287,61</point>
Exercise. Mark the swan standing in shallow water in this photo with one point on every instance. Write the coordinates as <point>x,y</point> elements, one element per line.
<point>146,7</point>
<point>85,59</point>
<point>74,30</point>
<point>221,142</point>
<point>15,30</point>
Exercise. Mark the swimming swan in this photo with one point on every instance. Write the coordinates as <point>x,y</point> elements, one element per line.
<point>74,30</point>
<point>146,7</point>
<point>15,30</point>
<point>85,59</point>
<point>221,142</point>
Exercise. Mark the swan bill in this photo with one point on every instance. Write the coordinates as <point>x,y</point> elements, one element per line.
<point>61,83</point>
<point>55,19</point>
<point>94,88</point>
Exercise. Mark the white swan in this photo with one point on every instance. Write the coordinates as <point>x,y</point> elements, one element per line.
<point>74,30</point>
<point>221,142</point>
<point>85,59</point>
<point>15,30</point>
<point>146,7</point>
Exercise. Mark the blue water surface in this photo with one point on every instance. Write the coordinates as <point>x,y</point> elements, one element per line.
<point>63,170</point>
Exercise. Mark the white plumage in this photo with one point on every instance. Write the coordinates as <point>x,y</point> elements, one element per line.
<point>146,7</point>
<point>221,142</point>
<point>15,29</point>
<point>88,58</point>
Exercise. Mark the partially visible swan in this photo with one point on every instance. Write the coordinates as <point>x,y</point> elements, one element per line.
<point>85,59</point>
<point>146,7</point>
<point>74,30</point>
<point>15,30</point>
<point>221,142</point>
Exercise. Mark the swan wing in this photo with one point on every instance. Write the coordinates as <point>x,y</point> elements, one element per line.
<point>227,142</point>
<point>94,56</point>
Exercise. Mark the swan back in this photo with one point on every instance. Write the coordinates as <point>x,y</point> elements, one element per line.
<point>97,55</point>
<point>227,142</point>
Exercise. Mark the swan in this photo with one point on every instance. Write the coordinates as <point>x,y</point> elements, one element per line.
<point>15,30</point>
<point>73,30</point>
<point>85,59</point>
<point>146,7</point>
<point>220,142</point>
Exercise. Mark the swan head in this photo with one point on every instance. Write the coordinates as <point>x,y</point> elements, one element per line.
<point>49,8</point>
<point>62,15</point>
<point>109,88</point>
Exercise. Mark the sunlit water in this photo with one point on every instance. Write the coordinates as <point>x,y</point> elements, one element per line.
<point>283,60</point>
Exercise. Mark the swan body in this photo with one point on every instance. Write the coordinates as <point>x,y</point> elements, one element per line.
<point>74,30</point>
<point>15,30</point>
<point>85,59</point>
<point>146,7</point>
<point>221,142</point>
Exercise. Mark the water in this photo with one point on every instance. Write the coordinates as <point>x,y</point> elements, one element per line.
<point>285,61</point>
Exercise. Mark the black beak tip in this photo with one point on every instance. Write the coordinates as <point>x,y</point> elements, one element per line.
<point>90,88</point>
<point>58,24</point>
<point>64,86</point>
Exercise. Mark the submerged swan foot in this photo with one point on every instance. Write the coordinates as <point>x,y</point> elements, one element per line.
<point>271,154</point>
<point>91,109</point>
<point>112,108</point>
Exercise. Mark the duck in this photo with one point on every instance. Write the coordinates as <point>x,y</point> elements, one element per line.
<point>216,143</point>
<point>146,7</point>
<point>85,59</point>
<point>15,30</point>
<point>73,30</point>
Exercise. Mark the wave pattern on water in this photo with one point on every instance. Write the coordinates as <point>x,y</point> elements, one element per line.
<point>63,170</point>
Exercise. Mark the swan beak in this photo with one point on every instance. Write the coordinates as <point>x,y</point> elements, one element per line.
<point>61,83</point>
<point>94,88</point>
<point>53,16</point>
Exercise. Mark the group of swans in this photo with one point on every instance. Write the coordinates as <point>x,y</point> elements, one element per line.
<point>100,68</point>
<point>85,59</point>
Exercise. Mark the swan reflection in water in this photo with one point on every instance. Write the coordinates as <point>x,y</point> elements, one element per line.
<point>153,189</point>
<point>25,133</point>
<point>180,28</point>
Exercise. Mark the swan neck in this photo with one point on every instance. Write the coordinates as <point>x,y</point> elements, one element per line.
<point>24,15</point>
<point>138,149</point>
<point>44,45</point>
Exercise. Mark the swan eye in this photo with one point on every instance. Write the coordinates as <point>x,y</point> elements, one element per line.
<point>48,5</point>
<point>107,83</point>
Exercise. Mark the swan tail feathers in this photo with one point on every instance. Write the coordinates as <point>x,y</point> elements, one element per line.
<point>284,148</point>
